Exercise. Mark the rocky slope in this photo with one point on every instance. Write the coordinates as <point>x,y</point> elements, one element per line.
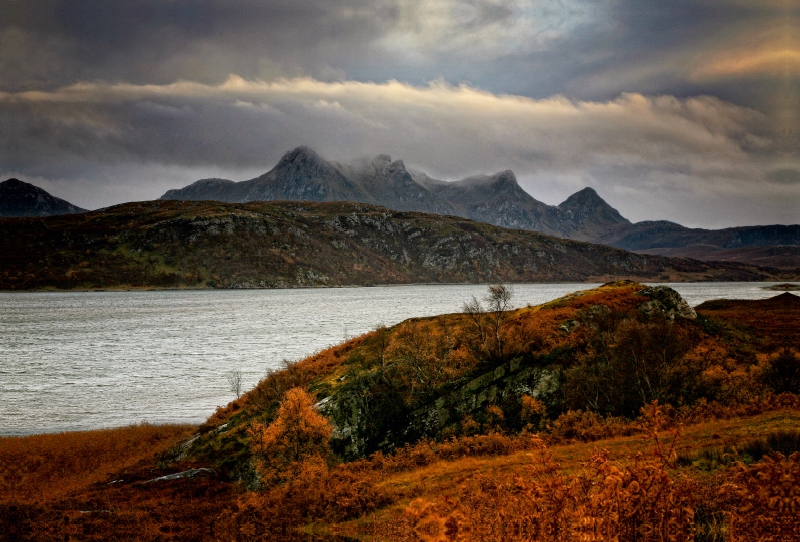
<point>18,198</point>
<point>301,175</point>
<point>293,244</point>
<point>496,199</point>
<point>588,217</point>
<point>499,199</point>
<point>390,184</point>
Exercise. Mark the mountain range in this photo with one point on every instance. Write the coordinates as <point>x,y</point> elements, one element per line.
<point>301,174</point>
<point>18,198</point>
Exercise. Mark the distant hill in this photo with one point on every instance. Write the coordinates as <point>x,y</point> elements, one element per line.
<point>18,198</point>
<point>664,234</point>
<point>774,245</point>
<point>779,257</point>
<point>496,199</point>
<point>300,244</point>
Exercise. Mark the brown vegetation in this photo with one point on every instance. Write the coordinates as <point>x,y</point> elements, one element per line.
<point>652,428</point>
<point>42,467</point>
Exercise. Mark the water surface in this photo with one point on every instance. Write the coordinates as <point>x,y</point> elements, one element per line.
<point>85,360</point>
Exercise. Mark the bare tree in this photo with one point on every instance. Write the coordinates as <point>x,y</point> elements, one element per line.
<point>234,379</point>
<point>487,323</point>
<point>422,356</point>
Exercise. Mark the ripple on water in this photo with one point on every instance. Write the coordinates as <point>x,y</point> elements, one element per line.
<point>84,360</point>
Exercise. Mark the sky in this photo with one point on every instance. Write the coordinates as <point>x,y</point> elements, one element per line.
<point>671,109</point>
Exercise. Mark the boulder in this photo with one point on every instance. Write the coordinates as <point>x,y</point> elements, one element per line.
<point>666,301</point>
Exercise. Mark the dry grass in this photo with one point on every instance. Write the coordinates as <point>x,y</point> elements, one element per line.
<point>45,467</point>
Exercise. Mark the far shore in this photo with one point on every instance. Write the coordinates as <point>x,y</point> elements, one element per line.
<point>771,286</point>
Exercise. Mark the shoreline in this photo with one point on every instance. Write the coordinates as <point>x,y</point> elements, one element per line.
<point>776,286</point>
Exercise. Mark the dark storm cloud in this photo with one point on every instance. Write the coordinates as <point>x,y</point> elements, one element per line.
<point>785,176</point>
<point>692,101</point>
<point>701,155</point>
<point>585,49</point>
<point>58,42</point>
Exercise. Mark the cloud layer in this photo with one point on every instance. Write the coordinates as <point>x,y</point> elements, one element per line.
<point>678,109</point>
<point>697,154</point>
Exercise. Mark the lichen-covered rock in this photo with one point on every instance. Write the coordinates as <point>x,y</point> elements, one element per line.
<point>664,300</point>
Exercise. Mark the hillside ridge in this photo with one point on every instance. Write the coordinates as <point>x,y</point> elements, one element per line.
<point>174,244</point>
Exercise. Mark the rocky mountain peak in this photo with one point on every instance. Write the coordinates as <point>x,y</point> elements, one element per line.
<point>505,178</point>
<point>499,181</point>
<point>18,198</point>
<point>587,203</point>
<point>587,197</point>
<point>12,183</point>
<point>389,183</point>
<point>299,156</point>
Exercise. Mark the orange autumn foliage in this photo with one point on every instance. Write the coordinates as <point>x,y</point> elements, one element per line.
<point>494,475</point>
<point>41,467</point>
<point>298,435</point>
<point>269,391</point>
<point>90,485</point>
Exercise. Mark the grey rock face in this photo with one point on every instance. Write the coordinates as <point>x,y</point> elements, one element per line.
<point>391,185</point>
<point>497,199</point>
<point>666,301</point>
<point>588,216</point>
<point>18,198</point>
<point>301,175</point>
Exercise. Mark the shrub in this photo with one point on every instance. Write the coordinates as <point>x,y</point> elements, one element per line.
<point>298,434</point>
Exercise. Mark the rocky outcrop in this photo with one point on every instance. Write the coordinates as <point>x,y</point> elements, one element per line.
<point>666,301</point>
<point>18,198</point>
<point>191,473</point>
<point>515,378</point>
